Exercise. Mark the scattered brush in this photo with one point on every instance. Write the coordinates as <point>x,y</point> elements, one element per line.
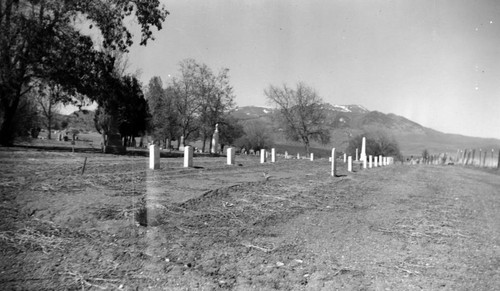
<point>29,238</point>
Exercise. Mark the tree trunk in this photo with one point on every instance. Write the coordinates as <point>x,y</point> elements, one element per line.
<point>204,142</point>
<point>49,128</point>
<point>8,125</point>
<point>306,144</point>
<point>103,141</point>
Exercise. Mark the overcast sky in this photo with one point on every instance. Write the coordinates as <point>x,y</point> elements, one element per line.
<point>434,62</point>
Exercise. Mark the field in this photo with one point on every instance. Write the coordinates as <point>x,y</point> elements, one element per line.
<point>115,225</point>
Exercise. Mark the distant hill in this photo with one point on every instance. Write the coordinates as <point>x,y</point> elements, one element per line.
<point>80,120</point>
<point>347,121</point>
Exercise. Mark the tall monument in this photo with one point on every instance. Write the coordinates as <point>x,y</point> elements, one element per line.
<point>215,140</point>
<point>363,149</point>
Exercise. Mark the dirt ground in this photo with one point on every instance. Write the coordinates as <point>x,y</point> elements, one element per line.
<point>284,226</point>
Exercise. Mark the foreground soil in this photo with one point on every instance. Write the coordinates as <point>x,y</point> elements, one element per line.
<point>288,226</point>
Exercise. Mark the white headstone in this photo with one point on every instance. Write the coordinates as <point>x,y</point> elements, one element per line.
<point>334,166</point>
<point>370,161</point>
<point>188,156</point>
<point>364,163</point>
<point>349,164</point>
<point>312,156</point>
<point>345,158</point>
<point>375,161</point>
<point>230,156</point>
<point>215,140</point>
<point>286,155</point>
<point>154,157</point>
<point>363,149</point>
<point>273,155</point>
<point>262,156</point>
<point>357,159</point>
<point>298,156</point>
<point>380,161</point>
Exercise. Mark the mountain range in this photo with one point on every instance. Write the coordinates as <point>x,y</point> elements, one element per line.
<point>347,121</point>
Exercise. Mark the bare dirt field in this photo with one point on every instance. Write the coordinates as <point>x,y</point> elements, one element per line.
<point>285,226</point>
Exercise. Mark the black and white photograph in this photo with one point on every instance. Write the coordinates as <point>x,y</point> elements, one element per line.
<point>249,145</point>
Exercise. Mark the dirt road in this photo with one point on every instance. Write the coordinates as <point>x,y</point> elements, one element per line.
<point>286,226</point>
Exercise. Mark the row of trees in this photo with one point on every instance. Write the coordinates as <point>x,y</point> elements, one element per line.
<point>192,104</point>
<point>46,48</point>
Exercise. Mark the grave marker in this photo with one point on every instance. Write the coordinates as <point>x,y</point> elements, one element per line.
<point>188,156</point>
<point>363,149</point>
<point>312,157</point>
<point>357,155</point>
<point>154,157</point>
<point>370,161</point>
<point>230,156</point>
<point>334,166</point>
<point>345,158</point>
<point>375,161</point>
<point>262,156</point>
<point>349,164</point>
<point>273,155</point>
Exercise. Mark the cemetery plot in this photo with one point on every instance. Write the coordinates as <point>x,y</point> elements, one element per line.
<point>287,225</point>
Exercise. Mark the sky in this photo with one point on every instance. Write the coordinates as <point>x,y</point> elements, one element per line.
<point>434,62</point>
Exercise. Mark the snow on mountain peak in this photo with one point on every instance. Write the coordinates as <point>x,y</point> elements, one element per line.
<point>342,108</point>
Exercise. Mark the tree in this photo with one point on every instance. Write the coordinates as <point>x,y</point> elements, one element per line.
<point>28,122</point>
<point>186,102</point>
<point>377,143</point>
<point>425,155</point>
<point>201,99</point>
<point>125,110</point>
<point>256,137</point>
<point>49,96</point>
<point>230,130</point>
<point>217,99</point>
<point>301,113</point>
<point>163,121</point>
<point>41,40</point>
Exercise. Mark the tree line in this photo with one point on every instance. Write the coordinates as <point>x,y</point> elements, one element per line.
<point>46,42</point>
<point>48,57</point>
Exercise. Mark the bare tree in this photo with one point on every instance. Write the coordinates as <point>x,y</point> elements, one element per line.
<point>301,113</point>
<point>256,136</point>
<point>49,97</point>
<point>217,99</point>
<point>187,103</point>
<point>202,98</point>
